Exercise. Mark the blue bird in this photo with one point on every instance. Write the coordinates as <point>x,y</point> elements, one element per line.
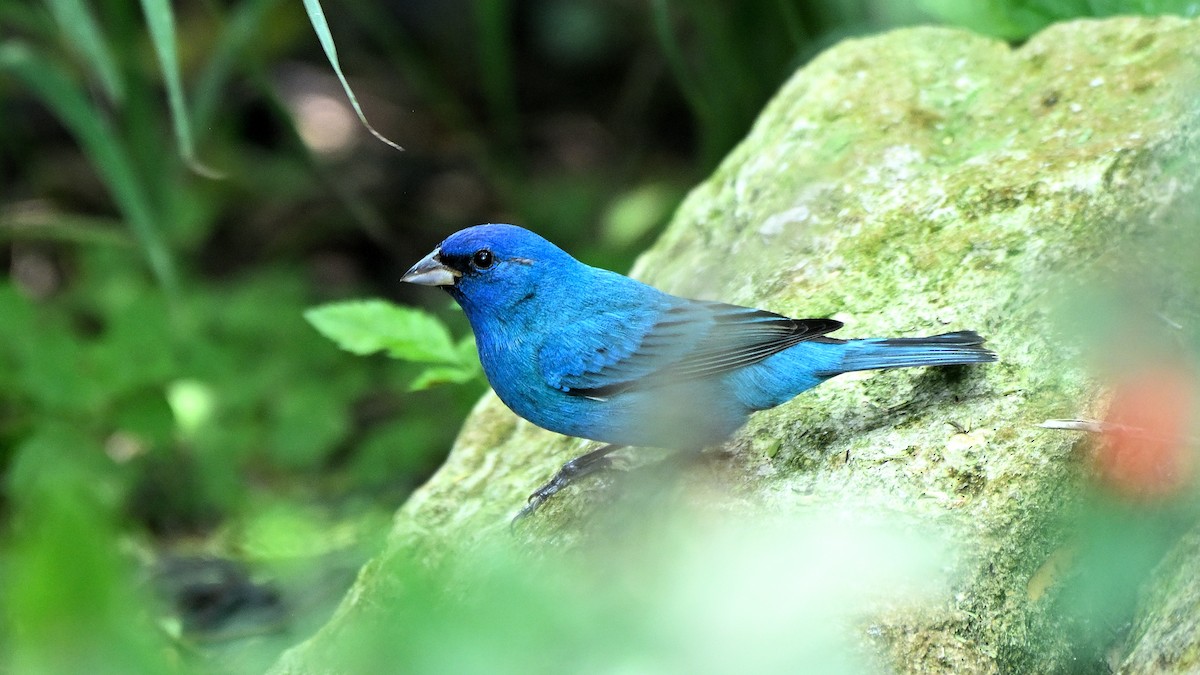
<point>587,352</point>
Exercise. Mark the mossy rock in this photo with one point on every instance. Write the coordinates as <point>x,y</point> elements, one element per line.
<point>915,182</point>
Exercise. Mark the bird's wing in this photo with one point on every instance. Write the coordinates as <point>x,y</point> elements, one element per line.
<point>683,340</point>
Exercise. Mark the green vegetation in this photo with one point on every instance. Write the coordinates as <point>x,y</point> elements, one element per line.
<point>370,326</point>
<point>1018,19</point>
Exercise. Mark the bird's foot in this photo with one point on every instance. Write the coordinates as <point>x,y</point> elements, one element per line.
<point>584,465</point>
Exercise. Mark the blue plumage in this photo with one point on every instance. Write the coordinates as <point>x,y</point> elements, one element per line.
<point>587,352</point>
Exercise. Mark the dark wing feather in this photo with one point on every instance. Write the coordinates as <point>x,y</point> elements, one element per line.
<point>684,341</point>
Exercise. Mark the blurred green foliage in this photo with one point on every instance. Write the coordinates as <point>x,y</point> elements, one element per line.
<point>1018,19</point>
<point>161,395</point>
<point>669,594</point>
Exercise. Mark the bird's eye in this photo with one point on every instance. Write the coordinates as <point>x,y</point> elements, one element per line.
<point>482,259</point>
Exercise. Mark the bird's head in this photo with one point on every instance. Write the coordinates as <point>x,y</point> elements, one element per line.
<point>491,267</point>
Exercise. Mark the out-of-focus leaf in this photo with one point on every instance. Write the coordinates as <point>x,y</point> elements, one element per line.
<point>286,531</point>
<point>161,22</point>
<point>634,214</point>
<point>1008,20</point>
<point>465,370</point>
<point>281,530</point>
<point>317,17</point>
<point>16,329</point>
<point>27,17</point>
<point>442,375</point>
<point>67,621</point>
<point>144,419</point>
<point>76,20</point>
<point>307,422</point>
<point>192,403</point>
<point>1018,19</point>
<point>51,366</point>
<point>467,352</point>
<point>369,326</point>
<point>136,349</point>
<point>102,146</point>
<point>399,451</point>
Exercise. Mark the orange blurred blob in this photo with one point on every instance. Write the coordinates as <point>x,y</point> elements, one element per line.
<point>1147,451</point>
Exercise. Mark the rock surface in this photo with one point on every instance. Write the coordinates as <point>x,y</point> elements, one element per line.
<point>1166,637</point>
<point>915,182</point>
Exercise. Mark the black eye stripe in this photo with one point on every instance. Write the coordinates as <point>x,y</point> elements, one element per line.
<point>467,264</point>
<point>457,262</point>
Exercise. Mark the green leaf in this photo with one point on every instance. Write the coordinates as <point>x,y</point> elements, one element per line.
<point>285,530</point>
<point>101,144</point>
<point>139,325</point>
<point>465,370</point>
<point>467,353</point>
<point>443,375</point>
<point>63,495</point>
<point>44,362</point>
<point>161,22</point>
<point>635,213</point>
<point>192,405</point>
<point>395,451</point>
<point>369,326</point>
<point>76,21</point>
<point>317,18</point>
<point>307,421</point>
<point>1018,19</point>
<point>144,418</point>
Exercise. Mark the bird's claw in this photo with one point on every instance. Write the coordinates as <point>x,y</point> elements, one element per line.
<point>539,497</point>
<point>571,471</point>
<point>527,510</point>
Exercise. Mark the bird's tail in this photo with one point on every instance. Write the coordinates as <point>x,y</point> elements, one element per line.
<point>948,349</point>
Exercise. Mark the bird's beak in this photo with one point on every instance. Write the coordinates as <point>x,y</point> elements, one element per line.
<point>431,272</point>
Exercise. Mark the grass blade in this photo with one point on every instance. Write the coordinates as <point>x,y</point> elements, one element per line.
<point>693,92</point>
<point>493,19</point>
<point>99,142</point>
<point>317,18</point>
<point>161,21</point>
<point>76,21</point>
<point>42,225</point>
<point>240,28</point>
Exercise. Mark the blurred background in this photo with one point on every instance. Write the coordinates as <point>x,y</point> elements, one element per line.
<point>179,184</point>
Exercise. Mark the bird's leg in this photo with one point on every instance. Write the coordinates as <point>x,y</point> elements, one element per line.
<point>577,468</point>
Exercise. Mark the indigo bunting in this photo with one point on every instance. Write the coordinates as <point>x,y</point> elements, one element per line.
<point>591,353</point>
